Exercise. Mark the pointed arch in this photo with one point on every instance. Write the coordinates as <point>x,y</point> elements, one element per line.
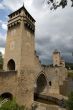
<point>41,83</point>
<point>11,64</point>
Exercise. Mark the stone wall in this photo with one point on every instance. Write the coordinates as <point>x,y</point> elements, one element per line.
<point>40,106</point>
<point>8,82</point>
<point>22,86</point>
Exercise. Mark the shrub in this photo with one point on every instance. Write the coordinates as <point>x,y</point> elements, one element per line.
<point>69,103</point>
<point>11,105</point>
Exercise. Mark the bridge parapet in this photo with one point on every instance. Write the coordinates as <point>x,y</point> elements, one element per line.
<point>4,74</point>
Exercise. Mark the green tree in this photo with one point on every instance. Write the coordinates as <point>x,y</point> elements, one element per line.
<point>1,61</point>
<point>69,103</point>
<point>59,3</point>
<point>69,65</point>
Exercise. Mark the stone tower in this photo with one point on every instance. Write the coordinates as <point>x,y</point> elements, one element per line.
<point>19,51</point>
<point>20,54</point>
<point>56,58</point>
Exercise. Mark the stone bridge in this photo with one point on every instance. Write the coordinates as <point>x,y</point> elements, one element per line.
<point>45,82</point>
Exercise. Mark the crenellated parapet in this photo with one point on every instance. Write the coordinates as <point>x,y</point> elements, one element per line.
<point>20,15</point>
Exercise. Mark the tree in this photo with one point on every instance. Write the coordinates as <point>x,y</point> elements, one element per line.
<point>57,3</point>
<point>1,61</point>
<point>69,103</point>
<point>69,65</point>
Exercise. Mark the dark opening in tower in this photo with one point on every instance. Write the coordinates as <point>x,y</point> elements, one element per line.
<point>11,65</point>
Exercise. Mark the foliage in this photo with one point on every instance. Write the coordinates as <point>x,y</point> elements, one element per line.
<point>57,3</point>
<point>69,65</point>
<point>70,74</point>
<point>69,103</point>
<point>11,105</point>
<point>1,61</point>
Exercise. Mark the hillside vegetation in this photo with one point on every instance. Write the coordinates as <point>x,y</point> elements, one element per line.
<point>69,65</point>
<point>1,61</point>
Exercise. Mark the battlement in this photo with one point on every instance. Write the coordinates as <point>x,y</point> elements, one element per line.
<point>18,12</point>
<point>21,14</point>
<point>17,21</point>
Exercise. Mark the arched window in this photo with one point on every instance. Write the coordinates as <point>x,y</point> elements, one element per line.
<point>41,83</point>
<point>11,65</point>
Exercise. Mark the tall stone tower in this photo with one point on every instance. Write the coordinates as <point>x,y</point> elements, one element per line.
<point>20,55</point>
<point>19,51</point>
<point>56,58</point>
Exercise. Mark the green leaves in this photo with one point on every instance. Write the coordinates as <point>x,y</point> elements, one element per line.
<point>1,61</point>
<point>63,3</point>
<point>69,103</point>
<point>55,4</point>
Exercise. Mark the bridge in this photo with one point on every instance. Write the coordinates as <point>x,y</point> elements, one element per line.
<point>12,85</point>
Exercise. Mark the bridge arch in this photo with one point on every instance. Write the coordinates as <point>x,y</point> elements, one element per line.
<point>6,95</point>
<point>11,64</point>
<point>41,83</point>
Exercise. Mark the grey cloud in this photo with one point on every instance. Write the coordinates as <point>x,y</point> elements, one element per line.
<point>38,4</point>
<point>54,29</point>
<point>2,43</point>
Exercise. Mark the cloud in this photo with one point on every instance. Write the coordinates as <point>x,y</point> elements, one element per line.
<point>2,41</point>
<point>3,25</point>
<point>1,6</point>
<point>54,29</point>
<point>11,4</point>
<point>15,4</point>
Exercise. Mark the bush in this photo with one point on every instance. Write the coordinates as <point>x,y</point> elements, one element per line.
<point>11,105</point>
<point>69,103</point>
<point>70,74</point>
<point>1,61</point>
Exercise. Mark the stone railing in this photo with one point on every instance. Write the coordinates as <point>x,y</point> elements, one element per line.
<point>4,74</point>
<point>50,100</point>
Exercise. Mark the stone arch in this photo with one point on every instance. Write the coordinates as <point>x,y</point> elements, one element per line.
<point>41,83</point>
<point>11,64</point>
<point>6,95</point>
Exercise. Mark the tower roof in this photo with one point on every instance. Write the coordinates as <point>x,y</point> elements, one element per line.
<point>56,51</point>
<point>18,10</point>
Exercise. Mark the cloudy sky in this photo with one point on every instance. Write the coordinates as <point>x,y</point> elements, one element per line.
<point>54,29</point>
